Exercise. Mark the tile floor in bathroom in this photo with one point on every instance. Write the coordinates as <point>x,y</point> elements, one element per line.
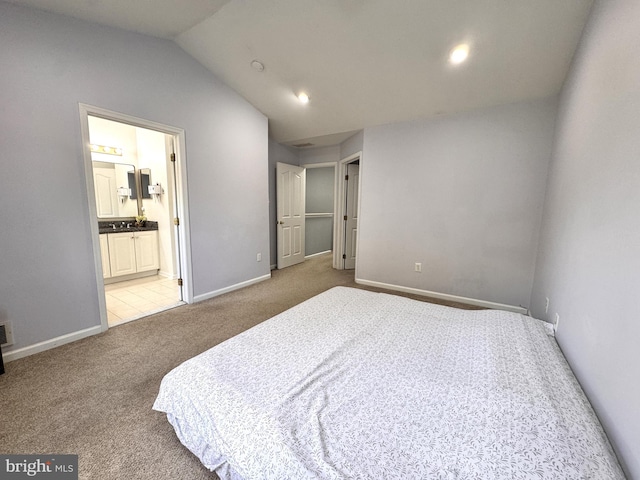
<point>137,298</point>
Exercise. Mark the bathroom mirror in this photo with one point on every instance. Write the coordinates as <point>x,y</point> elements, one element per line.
<point>145,181</point>
<point>116,190</point>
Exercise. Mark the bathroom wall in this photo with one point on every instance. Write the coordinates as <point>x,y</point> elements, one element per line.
<point>152,155</point>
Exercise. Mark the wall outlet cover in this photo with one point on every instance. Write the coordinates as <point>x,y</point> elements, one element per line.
<point>6,334</point>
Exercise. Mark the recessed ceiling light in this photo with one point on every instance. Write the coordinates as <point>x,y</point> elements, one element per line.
<point>259,66</point>
<point>459,54</point>
<point>303,97</point>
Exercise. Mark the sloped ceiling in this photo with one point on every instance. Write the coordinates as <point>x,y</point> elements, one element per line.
<point>362,62</point>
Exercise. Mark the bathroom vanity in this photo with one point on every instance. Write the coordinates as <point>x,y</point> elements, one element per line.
<point>128,251</point>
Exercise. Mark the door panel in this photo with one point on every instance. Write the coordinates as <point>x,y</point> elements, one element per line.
<point>104,255</point>
<point>122,254</point>
<point>290,185</point>
<point>297,240</point>
<point>147,251</point>
<point>286,242</point>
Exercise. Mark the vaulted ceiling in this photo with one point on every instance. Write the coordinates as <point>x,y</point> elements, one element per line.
<point>362,62</point>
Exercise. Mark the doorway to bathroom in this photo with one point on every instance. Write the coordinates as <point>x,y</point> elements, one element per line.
<point>136,189</point>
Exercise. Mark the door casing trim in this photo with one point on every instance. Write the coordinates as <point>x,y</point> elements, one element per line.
<point>184,249</point>
<point>338,203</point>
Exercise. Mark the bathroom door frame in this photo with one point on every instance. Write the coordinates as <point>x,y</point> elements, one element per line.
<point>183,246</point>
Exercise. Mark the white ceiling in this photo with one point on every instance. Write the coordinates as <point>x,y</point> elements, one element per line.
<point>362,62</point>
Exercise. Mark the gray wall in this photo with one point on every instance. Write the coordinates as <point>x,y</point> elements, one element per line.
<point>318,235</point>
<point>319,199</point>
<point>589,260</point>
<point>352,145</point>
<point>319,155</point>
<point>462,195</point>
<point>319,231</point>
<point>320,184</point>
<point>51,63</point>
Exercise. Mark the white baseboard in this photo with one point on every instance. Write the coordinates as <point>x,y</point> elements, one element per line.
<point>169,275</point>
<point>317,254</point>
<point>444,296</point>
<point>237,286</point>
<point>133,276</point>
<point>11,355</point>
<point>49,344</point>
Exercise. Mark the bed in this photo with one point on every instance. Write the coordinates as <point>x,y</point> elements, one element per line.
<point>357,384</point>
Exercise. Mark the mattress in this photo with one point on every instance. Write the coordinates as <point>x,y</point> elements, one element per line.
<point>356,384</point>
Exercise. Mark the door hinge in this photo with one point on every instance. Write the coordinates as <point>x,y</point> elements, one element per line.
<point>345,218</point>
<point>179,282</point>
<point>344,256</point>
<point>346,177</point>
<point>176,221</point>
<point>173,157</point>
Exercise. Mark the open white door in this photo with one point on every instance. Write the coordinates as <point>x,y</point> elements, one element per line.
<point>351,216</point>
<point>290,185</point>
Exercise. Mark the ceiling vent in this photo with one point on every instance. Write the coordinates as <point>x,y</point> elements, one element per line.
<point>301,145</point>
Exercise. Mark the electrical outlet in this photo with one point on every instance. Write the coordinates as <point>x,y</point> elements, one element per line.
<point>259,257</point>
<point>557,322</point>
<point>546,305</point>
<point>418,267</point>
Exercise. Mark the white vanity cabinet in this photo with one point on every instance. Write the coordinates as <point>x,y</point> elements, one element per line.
<point>133,252</point>
<point>104,253</point>
<point>122,253</point>
<point>147,251</point>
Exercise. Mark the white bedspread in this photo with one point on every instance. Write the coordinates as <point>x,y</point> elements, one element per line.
<point>355,384</point>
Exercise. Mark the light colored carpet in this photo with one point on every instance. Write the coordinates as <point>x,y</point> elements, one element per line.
<point>93,397</point>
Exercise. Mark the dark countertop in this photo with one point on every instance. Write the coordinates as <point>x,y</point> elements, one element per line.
<point>121,226</point>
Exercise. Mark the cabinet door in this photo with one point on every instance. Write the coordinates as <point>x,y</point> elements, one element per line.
<point>147,255</point>
<point>104,254</point>
<point>122,254</point>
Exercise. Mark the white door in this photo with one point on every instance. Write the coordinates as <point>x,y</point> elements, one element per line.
<point>290,185</point>
<point>104,180</point>
<point>351,216</point>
